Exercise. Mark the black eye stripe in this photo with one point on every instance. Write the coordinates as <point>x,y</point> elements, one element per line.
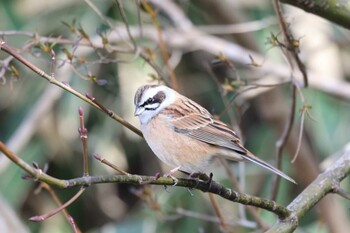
<point>158,98</point>
<point>147,102</point>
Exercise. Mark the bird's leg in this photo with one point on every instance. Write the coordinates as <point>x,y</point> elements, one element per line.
<point>169,174</point>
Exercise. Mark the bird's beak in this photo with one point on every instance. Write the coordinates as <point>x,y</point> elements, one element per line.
<point>138,111</point>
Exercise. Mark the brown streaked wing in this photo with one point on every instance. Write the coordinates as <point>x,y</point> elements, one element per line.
<point>206,129</point>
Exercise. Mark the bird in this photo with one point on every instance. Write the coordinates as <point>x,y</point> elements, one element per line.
<point>184,135</point>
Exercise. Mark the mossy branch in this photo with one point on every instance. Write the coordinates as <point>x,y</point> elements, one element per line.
<point>323,185</point>
<point>337,11</point>
<point>211,187</point>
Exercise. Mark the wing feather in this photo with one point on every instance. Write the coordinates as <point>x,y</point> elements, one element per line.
<point>206,129</point>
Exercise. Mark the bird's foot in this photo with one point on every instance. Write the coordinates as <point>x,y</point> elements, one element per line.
<point>197,176</point>
<point>170,175</point>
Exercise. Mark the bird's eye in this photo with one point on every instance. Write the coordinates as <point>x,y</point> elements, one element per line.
<point>150,100</point>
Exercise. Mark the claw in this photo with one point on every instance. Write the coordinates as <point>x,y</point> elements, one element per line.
<point>175,181</point>
<point>168,175</point>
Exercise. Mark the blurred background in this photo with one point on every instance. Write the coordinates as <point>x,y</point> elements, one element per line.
<point>208,44</point>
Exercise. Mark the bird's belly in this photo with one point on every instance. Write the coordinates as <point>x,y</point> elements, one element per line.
<point>176,149</point>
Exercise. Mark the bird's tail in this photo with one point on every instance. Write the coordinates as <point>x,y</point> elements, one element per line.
<point>252,158</point>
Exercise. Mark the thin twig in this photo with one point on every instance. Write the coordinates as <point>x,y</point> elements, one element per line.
<point>111,113</point>
<point>55,211</point>
<point>282,141</point>
<point>185,41</point>
<point>343,193</point>
<point>300,137</point>
<point>162,45</point>
<point>109,164</point>
<point>53,63</point>
<point>83,137</point>
<point>290,50</point>
<point>139,20</point>
<point>37,174</point>
<point>122,14</point>
<point>12,52</point>
<point>99,13</point>
<point>59,203</point>
<point>289,40</point>
<point>218,212</point>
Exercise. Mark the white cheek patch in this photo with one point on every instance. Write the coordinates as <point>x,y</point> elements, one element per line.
<point>152,107</point>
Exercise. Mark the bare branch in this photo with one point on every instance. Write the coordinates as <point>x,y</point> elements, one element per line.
<point>162,44</point>
<point>55,211</point>
<point>59,203</point>
<point>282,141</point>
<point>122,14</point>
<point>37,174</point>
<point>109,164</point>
<point>319,188</point>
<point>194,40</point>
<point>218,212</point>
<point>291,50</point>
<point>83,132</point>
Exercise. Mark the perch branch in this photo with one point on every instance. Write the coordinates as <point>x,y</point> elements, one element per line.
<point>210,187</point>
